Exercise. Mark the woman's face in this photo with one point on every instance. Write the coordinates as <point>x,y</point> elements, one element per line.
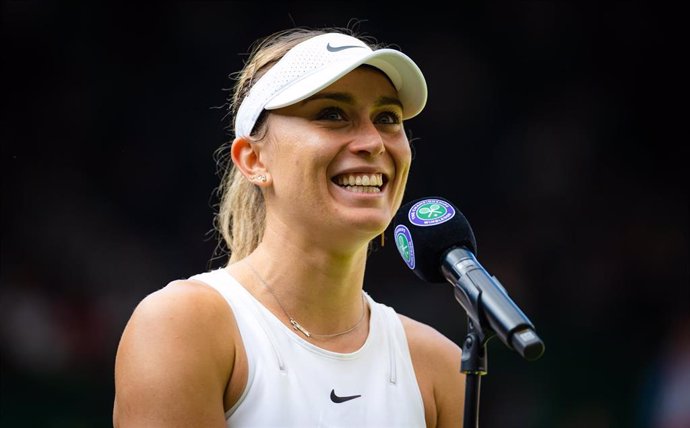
<point>338,160</point>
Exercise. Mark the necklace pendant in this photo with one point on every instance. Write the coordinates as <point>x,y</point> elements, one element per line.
<point>297,326</point>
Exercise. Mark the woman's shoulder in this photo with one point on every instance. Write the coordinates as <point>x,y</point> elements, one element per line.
<point>184,323</point>
<point>176,354</point>
<point>182,312</point>
<point>184,304</point>
<point>422,337</point>
<point>436,360</point>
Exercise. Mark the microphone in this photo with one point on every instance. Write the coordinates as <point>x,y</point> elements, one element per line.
<point>436,241</point>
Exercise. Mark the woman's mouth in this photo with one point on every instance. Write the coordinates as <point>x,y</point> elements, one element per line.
<point>360,183</point>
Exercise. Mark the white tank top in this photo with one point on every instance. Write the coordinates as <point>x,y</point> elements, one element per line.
<point>293,383</point>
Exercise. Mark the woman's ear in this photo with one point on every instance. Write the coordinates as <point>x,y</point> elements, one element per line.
<point>246,156</point>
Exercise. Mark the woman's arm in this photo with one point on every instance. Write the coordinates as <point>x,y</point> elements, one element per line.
<point>175,360</point>
<point>436,361</point>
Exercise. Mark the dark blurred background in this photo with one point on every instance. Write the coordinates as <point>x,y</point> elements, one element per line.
<point>548,124</point>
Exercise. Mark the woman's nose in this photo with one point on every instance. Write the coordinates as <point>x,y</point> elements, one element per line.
<point>368,141</point>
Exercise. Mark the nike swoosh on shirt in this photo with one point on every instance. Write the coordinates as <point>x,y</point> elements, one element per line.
<point>336,399</point>
<point>330,48</point>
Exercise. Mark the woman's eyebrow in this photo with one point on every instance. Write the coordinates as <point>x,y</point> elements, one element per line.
<point>347,98</point>
<point>343,97</point>
<point>384,101</point>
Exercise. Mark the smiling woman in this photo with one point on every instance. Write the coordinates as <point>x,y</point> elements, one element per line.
<point>285,335</point>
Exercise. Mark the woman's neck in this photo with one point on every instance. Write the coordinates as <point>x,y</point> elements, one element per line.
<point>313,275</point>
<point>322,291</point>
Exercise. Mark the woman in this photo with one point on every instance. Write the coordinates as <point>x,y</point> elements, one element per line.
<point>284,334</point>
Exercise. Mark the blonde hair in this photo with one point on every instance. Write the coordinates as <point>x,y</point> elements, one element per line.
<point>241,217</point>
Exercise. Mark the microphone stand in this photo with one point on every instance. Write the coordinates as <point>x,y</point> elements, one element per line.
<point>473,365</point>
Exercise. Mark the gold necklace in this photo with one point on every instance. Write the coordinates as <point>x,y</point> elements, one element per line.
<point>297,326</point>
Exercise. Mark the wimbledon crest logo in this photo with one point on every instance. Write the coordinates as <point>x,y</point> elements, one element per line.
<point>430,212</point>
<point>403,240</point>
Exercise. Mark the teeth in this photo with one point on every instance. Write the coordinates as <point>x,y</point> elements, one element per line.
<point>362,189</point>
<point>360,180</point>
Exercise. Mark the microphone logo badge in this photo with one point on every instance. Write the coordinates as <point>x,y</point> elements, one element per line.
<point>403,240</point>
<point>430,212</point>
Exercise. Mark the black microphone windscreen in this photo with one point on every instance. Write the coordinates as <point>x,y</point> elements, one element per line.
<point>425,229</point>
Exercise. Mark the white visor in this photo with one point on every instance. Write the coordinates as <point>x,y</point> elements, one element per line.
<point>315,64</point>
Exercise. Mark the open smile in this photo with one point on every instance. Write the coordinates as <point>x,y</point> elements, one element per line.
<point>361,182</point>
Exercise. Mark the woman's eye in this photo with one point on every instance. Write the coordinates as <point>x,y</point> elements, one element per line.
<point>388,118</point>
<point>331,113</point>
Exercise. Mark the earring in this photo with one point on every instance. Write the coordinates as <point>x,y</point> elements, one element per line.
<point>262,178</point>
